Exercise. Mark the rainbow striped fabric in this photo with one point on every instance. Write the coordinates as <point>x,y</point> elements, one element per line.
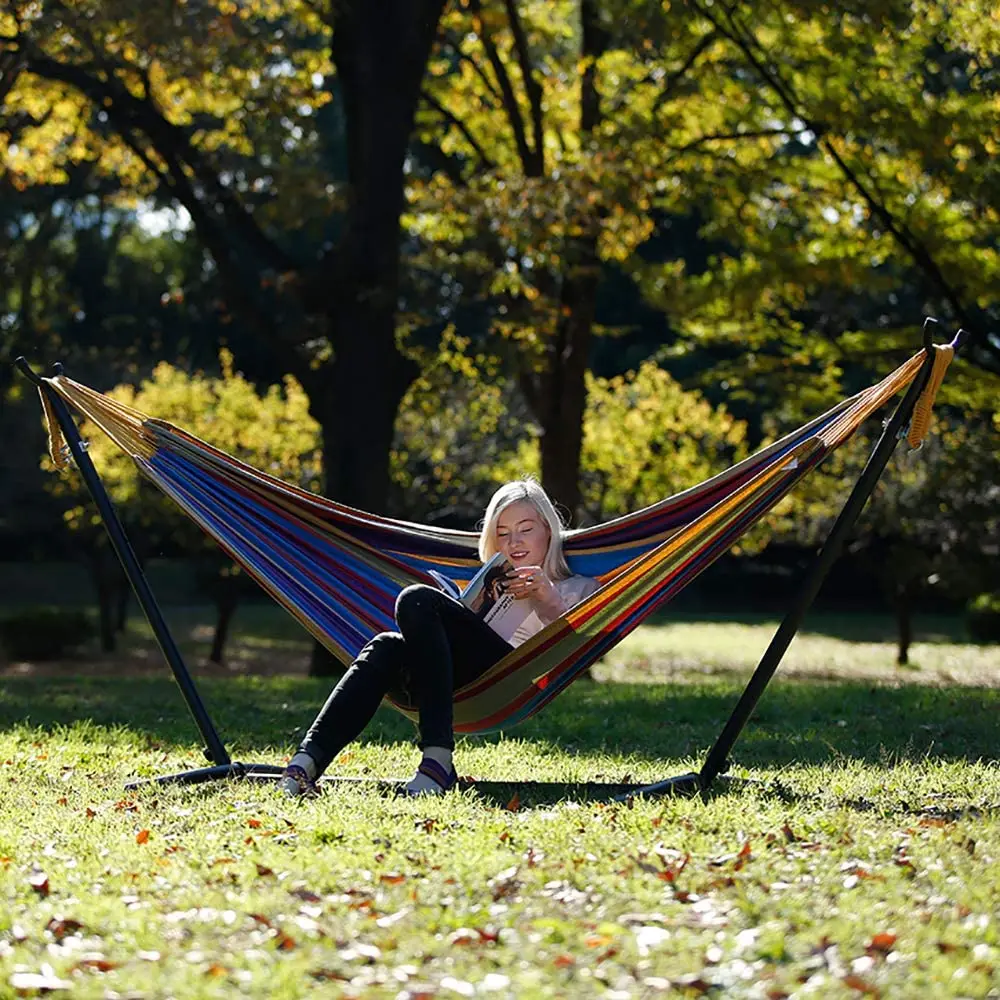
<point>338,570</point>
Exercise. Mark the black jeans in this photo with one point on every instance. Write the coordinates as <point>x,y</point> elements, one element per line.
<point>440,646</point>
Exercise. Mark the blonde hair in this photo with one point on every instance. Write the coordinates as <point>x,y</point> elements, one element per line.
<point>530,491</point>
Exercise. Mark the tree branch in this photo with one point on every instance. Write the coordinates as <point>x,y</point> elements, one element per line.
<point>531,86</point>
<point>674,78</point>
<point>755,54</point>
<point>476,68</point>
<point>734,136</point>
<point>528,163</point>
<point>147,117</point>
<point>459,124</point>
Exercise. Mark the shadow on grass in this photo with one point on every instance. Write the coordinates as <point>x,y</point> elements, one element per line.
<point>796,721</point>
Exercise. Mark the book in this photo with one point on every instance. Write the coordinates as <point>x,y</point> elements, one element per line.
<point>486,596</point>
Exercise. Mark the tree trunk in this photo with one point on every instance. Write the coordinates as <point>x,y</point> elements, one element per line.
<point>564,394</point>
<point>225,608</point>
<point>903,608</point>
<point>379,73</point>
<point>121,605</point>
<point>102,564</point>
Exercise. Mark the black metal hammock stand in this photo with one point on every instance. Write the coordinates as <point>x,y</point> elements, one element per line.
<point>536,672</point>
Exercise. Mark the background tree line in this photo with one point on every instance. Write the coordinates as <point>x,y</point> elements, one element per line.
<point>483,237</point>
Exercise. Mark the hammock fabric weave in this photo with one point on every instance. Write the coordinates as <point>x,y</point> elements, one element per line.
<point>338,570</point>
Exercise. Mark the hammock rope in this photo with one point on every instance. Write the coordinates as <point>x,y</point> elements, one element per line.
<point>338,570</point>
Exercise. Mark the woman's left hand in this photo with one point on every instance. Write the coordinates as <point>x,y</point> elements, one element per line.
<point>531,582</point>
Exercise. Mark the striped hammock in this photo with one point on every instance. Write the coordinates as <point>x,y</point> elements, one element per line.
<point>338,570</point>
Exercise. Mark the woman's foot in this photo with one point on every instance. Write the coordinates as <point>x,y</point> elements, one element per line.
<point>299,778</point>
<point>432,778</point>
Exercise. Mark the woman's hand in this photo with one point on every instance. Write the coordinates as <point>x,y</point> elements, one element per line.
<point>531,583</point>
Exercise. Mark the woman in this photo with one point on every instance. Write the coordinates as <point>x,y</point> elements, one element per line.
<point>441,645</point>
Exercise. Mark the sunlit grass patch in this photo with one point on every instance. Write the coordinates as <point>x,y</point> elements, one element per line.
<point>858,852</point>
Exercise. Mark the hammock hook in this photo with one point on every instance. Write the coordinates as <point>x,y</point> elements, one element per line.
<point>27,371</point>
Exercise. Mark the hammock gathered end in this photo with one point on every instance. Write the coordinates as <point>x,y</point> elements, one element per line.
<point>338,570</point>
<point>920,422</point>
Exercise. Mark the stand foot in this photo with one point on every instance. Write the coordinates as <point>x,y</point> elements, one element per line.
<point>220,772</point>
<point>687,785</point>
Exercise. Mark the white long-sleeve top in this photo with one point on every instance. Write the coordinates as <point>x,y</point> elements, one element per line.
<point>572,590</point>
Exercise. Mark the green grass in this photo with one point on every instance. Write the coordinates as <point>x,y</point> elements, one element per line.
<point>862,856</point>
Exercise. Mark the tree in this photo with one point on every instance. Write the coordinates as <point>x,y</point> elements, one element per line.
<point>646,438</point>
<point>529,199</point>
<point>220,107</point>
<point>933,526</point>
<point>849,186</point>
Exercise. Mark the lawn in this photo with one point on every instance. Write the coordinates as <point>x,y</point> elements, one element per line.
<point>855,852</point>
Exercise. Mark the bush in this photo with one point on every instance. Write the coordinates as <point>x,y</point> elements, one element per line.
<point>982,618</point>
<point>43,633</point>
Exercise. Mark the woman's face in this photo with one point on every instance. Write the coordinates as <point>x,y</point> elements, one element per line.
<point>522,535</point>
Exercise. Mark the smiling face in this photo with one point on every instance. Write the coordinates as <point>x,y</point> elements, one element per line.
<point>522,535</point>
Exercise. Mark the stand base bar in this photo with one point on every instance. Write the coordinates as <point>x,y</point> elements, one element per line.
<point>220,772</point>
<point>686,785</point>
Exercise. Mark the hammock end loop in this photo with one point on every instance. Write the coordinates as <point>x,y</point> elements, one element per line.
<point>58,447</point>
<point>920,422</point>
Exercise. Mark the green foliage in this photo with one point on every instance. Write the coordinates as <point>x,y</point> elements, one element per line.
<point>271,431</point>
<point>646,438</point>
<point>43,633</point>
<point>214,73</point>
<point>846,172</point>
<point>457,433</point>
<point>983,618</point>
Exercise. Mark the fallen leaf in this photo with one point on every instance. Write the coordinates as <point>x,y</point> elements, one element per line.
<point>563,961</point>
<point>263,871</point>
<point>60,927</point>
<point>882,942</point>
<point>254,824</point>
<point>392,878</point>
<point>504,883</point>
<point>328,975</point>
<point>90,814</point>
<point>392,918</point>
<point>96,964</point>
<point>459,986</point>
<point>515,803</point>
<point>40,883</point>
<point>861,985</point>
<point>142,837</point>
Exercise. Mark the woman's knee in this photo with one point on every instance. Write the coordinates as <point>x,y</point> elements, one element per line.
<point>414,602</point>
<point>383,652</point>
